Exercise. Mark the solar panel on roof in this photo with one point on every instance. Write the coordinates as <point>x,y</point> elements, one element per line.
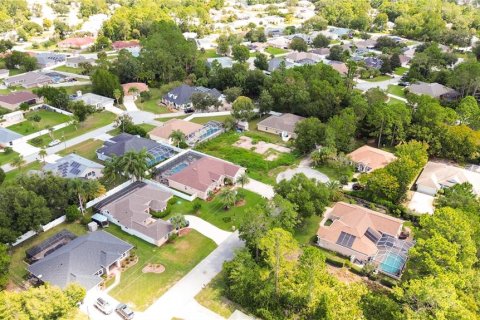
<point>346,239</point>
<point>75,171</point>
<point>75,164</point>
<point>372,235</point>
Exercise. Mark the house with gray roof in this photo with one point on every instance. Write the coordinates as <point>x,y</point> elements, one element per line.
<point>283,124</point>
<point>225,62</point>
<point>7,136</point>
<point>434,90</point>
<point>97,101</point>
<point>275,63</point>
<point>49,59</point>
<point>180,97</point>
<point>28,80</point>
<point>74,166</point>
<point>83,260</point>
<point>75,62</point>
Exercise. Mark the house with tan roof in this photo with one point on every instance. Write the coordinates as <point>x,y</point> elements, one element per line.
<point>134,88</point>
<point>283,124</point>
<point>434,90</point>
<point>131,208</point>
<point>366,236</point>
<point>367,158</point>
<point>191,130</point>
<point>438,175</point>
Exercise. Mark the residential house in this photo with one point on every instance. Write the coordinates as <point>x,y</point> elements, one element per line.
<point>74,166</point>
<point>180,97</point>
<point>4,73</point>
<point>337,33</point>
<point>82,260</point>
<point>75,62</point>
<point>437,175</point>
<point>367,158</point>
<point>283,125</point>
<point>11,118</point>
<point>365,236</point>
<point>373,62</point>
<point>12,101</point>
<point>49,59</point>
<point>77,43</point>
<point>225,62</point>
<point>434,90</point>
<point>95,100</point>
<point>338,66</point>
<point>131,209</point>
<point>191,130</point>
<point>322,52</point>
<point>366,44</point>
<point>279,42</point>
<point>134,89</point>
<point>7,137</point>
<point>301,56</point>
<point>277,62</point>
<point>404,59</point>
<point>29,80</point>
<point>132,46</point>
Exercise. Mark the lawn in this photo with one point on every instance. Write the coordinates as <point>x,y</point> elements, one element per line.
<point>86,149</point>
<point>17,270</point>
<point>268,137</point>
<point>7,157</point>
<point>11,175</point>
<point>213,211</point>
<point>209,53</point>
<point>396,90</point>
<point>147,126</point>
<point>153,104</point>
<point>335,172</point>
<point>258,168</point>
<point>275,51</point>
<point>95,121</point>
<point>400,71</point>
<point>379,78</point>
<point>47,119</point>
<point>140,290</point>
<point>74,89</point>
<point>69,69</point>
<point>393,100</point>
<point>305,233</point>
<point>203,120</point>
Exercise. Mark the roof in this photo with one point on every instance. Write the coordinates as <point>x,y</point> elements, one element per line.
<point>71,166</point>
<point>372,157</point>
<point>77,42</point>
<point>80,59</point>
<point>321,51</point>
<point>80,259</point>
<point>131,209</point>
<point>118,45</point>
<point>45,58</point>
<point>171,125</point>
<point>4,71</point>
<point>7,135</point>
<point>93,99</point>
<point>18,97</point>
<point>29,78</point>
<point>298,56</point>
<point>182,94</point>
<point>285,122</point>
<point>141,87</point>
<point>339,66</point>
<point>437,175</point>
<point>125,142</point>
<point>225,62</point>
<point>351,223</point>
<point>435,90</point>
<point>201,173</point>
<point>275,63</point>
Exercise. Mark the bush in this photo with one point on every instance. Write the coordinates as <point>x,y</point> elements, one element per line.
<point>36,141</point>
<point>357,270</point>
<point>390,283</point>
<point>172,237</point>
<point>227,219</point>
<point>161,214</point>
<point>85,220</point>
<point>35,118</point>
<point>197,206</point>
<point>172,201</point>
<point>336,262</point>
<point>344,180</point>
<point>73,213</point>
<point>7,150</point>
<point>144,96</point>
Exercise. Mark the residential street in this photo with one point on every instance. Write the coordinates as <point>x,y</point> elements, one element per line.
<point>365,85</point>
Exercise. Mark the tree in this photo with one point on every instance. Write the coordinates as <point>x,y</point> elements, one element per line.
<point>469,112</point>
<point>310,133</point>
<point>72,213</point>
<point>229,123</point>
<point>232,93</point>
<point>56,97</point>
<point>18,162</point>
<point>4,265</point>
<point>243,180</point>
<point>112,169</point>
<point>42,154</point>
<point>227,198</point>
<point>336,53</point>
<point>395,61</point>
<point>80,110</point>
<point>386,66</point>
<point>265,102</point>
<point>380,184</point>
<point>223,45</point>
<point>321,41</point>
<point>243,109</point>
<point>135,164</point>
<point>178,137</point>
<point>298,44</point>
<point>117,94</point>
<point>20,60</point>
<point>85,190</point>
<point>178,221</point>
<point>105,83</point>
<point>261,61</point>
<point>202,101</point>
<point>2,176</point>
<point>240,53</point>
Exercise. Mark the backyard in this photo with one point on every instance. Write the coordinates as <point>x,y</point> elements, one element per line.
<point>139,289</point>
<point>86,149</point>
<point>203,120</point>
<point>46,119</point>
<point>275,51</point>
<point>95,121</point>
<point>153,104</point>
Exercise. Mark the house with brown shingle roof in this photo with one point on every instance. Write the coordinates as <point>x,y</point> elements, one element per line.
<point>191,130</point>
<point>434,90</point>
<point>12,101</point>
<point>139,86</point>
<point>367,158</point>
<point>283,125</point>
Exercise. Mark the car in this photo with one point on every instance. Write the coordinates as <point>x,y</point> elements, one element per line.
<point>103,306</point>
<point>189,110</point>
<point>54,143</point>
<point>124,311</point>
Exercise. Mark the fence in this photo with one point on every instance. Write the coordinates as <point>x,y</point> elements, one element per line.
<point>109,193</point>
<point>49,107</point>
<point>44,228</point>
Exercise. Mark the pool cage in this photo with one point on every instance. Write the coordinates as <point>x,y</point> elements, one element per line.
<point>392,255</point>
<point>48,246</point>
<point>210,129</point>
<point>160,153</point>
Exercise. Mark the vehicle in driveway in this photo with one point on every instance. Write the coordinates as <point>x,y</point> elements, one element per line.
<point>124,311</point>
<point>103,306</point>
<point>54,143</point>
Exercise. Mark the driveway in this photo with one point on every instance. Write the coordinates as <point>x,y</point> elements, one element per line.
<point>207,229</point>
<point>129,103</point>
<point>309,172</point>
<point>265,190</point>
<point>422,203</point>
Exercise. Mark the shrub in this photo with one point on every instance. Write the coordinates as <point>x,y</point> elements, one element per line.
<point>35,118</point>
<point>227,219</point>
<point>161,214</point>
<point>85,220</point>
<point>172,237</point>
<point>172,201</point>
<point>344,180</point>
<point>7,150</point>
<point>336,262</point>
<point>197,206</point>
<point>73,213</point>
<point>36,141</point>
<point>390,283</point>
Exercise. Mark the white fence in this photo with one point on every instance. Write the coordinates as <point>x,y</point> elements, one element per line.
<point>44,228</point>
<point>167,189</point>
<point>49,107</point>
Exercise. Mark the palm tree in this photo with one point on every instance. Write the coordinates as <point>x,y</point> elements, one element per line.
<point>117,94</point>
<point>112,170</point>
<point>18,162</point>
<point>42,154</point>
<point>243,179</point>
<point>178,137</point>
<point>50,131</point>
<point>133,90</point>
<point>135,164</point>
<point>85,190</point>
<point>227,198</point>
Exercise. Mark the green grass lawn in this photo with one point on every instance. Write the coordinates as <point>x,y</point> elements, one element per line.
<point>17,270</point>
<point>69,69</point>
<point>139,289</point>
<point>172,117</point>
<point>95,121</point>
<point>379,78</point>
<point>48,119</point>
<point>400,71</point>
<point>85,149</point>
<point>213,211</point>
<point>153,104</point>
<point>209,53</point>
<point>393,100</point>
<point>396,90</point>
<point>203,120</point>
<point>268,137</point>
<point>11,175</point>
<point>275,51</point>
<point>74,89</point>
<point>258,167</point>
<point>147,126</point>
<point>7,157</point>
<point>335,172</point>
<point>305,233</point>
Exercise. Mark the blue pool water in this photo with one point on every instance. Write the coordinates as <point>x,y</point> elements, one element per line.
<point>179,167</point>
<point>392,264</point>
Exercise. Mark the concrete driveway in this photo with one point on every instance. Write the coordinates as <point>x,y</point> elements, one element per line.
<point>207,229</point>
<point>309,172</point>
<point>129,103</point>
<point>260,188</point>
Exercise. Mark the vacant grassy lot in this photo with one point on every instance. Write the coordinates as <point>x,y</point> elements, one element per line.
<point>153,104</point>
<point>335,172</point>
<point>69,69</point>
<point>140,289</point>
<point>17,270</point>
<point>275,51</point>
<point>213,211</point>
<point>85,149</point>
<point>11,175</point>
<point>47,119</point>
<point>308,230</point>
<point>7,157</point>
<point>203,120</point>
<point>148,127</point>
<point>400,71</point>
<point>379,78</point>
<point>95,121</point>
<point>396,90</point>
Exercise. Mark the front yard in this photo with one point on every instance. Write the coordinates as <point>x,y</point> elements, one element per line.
<point>46,119</point>
<point>69,69</point>
<point>146,126</point>
<point>139,289</point>
<point>86,149</point>
<point>379,78</point>
<point>7,157</point>
<point>11,175</point>
<point>153,104</point>
<point>275,51</point>
<point>396,90</point>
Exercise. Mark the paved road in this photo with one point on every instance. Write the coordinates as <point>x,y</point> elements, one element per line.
<point>207,229</point>
<point>309,172</point>
<point>365,85</point>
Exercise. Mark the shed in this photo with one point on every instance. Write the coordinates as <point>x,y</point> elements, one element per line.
<point>100,219</point>
<point>92,226</point>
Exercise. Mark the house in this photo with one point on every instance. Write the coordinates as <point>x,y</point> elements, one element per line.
<point>12,101</point>
<point>82,260</point>
<point>366,44</point>
<point>28,80</point>
<point>373,62</point>
<point>11,118</point>
<point>279,42</point>
<point>130,209</point>
<point>322,52</point>
<point>191,130</point>
<point>49,59</point>
<point>126,142</point>
<point>7,137</point>
<point>119,45</point>
<point>77,43</point>
<point>95,100</point>
<point>180,97</point>
<point>338,66</point>
<point>4,73</point>
<point>367,158</point>
<point>434,90</point>
<point>75,62</point>
<point>336,33</point>
<point>134,88</point>
<point>299,56</point>
<point>75,166</point>
<point>277,62</point>
<point>283,125</point>
<point>366,236</point>
<point>404,59</point>
<point>437,175</point>
<point>225,62</point>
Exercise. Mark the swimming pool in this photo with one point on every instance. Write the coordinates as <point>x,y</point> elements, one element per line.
<point>392,264</point>
<point>179,167</point>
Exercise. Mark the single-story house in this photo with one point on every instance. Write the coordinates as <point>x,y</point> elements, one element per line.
<point>82,260</point>
<point>434,90</point>
<point>126,142</point>
<point>279,42</point>
<point>77,43</point>
<point>4,73</point>
<point>438,175</point>
<point>366,44</point>
<point>373,62</point>
<point>95,100</point>
<point>365,236</point>
<point>297,56</point>
<point>7,136</point>
<point>49,59</point>
<point>323,52</point>
<point>12,118</point>
<point>336,33</point>
<point>367,158</point>
<point>191,130</point>
<point>130,209</point>
<point>180,97</point>
<point>12,101</point>
<point>75,166</point>
<point>339,66</point>
<point>276,62</point>
<point>225,62</point>
<point>119,45</point>
<point>28,80</point>
<point>404,59</point>
<point>75,62</point>
<point>283,125</point>
<point>139,86</point>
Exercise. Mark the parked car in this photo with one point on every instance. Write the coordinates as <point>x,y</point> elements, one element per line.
<point>103,306</point>
<point>54,143</point>
<point>124,311</point>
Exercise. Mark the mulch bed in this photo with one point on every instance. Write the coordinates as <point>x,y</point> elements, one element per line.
<point>153,268</point>
<point>184,231</point>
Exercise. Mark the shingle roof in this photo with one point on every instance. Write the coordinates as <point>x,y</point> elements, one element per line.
<point>168,127</point>
<point>182,94</point>
<point>80,259</point>
<point>18,97</point>
<point>285,122</point>
<point>7,135</point>
<point>71,166</point>
<point>125,142</point>
<point>29,79</point>
<point>435,90</point>
<point>118,45</point>
<point>372,157</point>
<point>93,99</point>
